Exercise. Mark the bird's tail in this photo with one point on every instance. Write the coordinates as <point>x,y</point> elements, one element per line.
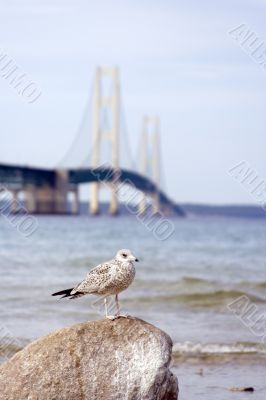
<point>63,293</point>
<point>67,293</point>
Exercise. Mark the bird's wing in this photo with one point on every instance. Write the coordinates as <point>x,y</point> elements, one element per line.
<point>102,268</point>
<point>97,278</point>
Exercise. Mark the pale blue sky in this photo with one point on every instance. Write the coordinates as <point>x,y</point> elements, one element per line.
<point>176,59</point>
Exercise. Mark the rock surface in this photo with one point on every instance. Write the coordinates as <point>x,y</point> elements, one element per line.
<point>125,359</point>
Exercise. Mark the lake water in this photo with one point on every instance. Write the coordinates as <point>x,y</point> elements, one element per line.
<point>184,285</point>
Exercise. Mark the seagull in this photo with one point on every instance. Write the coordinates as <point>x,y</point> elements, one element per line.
<point>108,278</point>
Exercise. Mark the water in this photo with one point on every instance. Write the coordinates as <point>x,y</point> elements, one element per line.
<point>183,285</point>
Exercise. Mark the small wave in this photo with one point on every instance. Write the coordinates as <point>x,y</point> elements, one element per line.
<point>255,285</point>
<point>198,286</point>
<point>186,281</point>
<point>206,298</point>
<point>219,352</point>
<point>219,348</point>
<point>190,280</point>
<point>218,295</point>
<point>261,285</point>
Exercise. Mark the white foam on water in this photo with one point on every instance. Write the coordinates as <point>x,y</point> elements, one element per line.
<point>218,348</point>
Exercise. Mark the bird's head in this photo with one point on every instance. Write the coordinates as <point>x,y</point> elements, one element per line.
<point>125,255</point>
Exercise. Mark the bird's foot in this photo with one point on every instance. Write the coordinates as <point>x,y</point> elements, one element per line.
<point>121,315</point>
<point>111,317</point>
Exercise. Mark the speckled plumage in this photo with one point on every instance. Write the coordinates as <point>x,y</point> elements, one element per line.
<point>109,278</point>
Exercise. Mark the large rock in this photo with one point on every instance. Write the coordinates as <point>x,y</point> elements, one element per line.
<point>125,359</point>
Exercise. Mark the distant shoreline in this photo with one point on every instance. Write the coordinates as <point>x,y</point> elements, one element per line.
<point>234,210</point>
<point>203,210</point>
<point>190,210</point>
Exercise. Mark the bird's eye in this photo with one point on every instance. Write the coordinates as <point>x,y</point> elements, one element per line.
<point>124,255</point>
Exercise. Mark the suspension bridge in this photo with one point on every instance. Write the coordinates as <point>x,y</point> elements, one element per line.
<point>46,191</point>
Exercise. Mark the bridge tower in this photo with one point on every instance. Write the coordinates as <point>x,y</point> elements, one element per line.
<point>150,158</point>
<point>108,102</point>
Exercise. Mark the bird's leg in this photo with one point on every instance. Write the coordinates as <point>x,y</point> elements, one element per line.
<point>106,310</point>
<point>117,315</point>
<point>117,305</point>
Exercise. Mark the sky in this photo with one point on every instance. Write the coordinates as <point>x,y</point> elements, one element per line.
<point>176,60</point>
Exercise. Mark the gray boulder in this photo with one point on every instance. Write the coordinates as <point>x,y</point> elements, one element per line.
<point>125,359</point>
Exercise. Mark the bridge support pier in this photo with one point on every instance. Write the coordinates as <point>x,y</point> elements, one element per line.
<point>142,204</point>
<point>156,204</point>
<point>48,199</point>
<point>75,203</point>
<point>94,206</point>
<point>14,201</point>
<point>94,202</point>
<point>45,200</point>
<point>39,200</point>
<point>31,198</point>
<point>114,208</point>
<point>61,190</point>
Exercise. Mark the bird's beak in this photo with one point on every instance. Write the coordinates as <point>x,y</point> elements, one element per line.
<point>136,259</point>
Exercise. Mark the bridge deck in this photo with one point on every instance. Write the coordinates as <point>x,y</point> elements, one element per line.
<point>21,176</point>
